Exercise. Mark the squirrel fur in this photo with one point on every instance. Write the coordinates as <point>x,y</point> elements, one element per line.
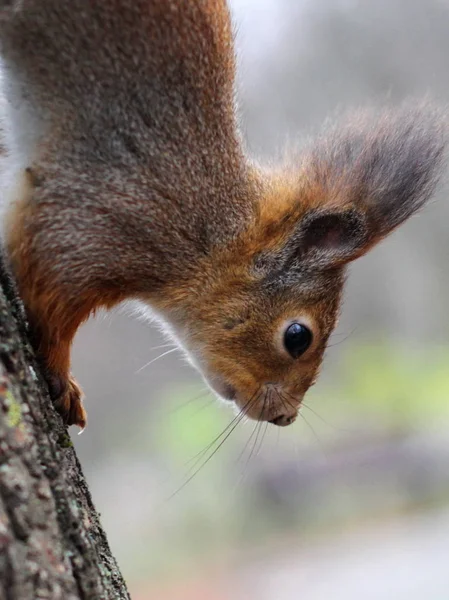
<point>128,180</point>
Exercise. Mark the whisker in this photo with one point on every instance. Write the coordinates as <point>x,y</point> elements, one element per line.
<point>202,407</point>
<point>347,336</point>
<point>245,448</point>
<point>258,428</point>
<point>189,479</point>
<point>320,443</point>
<point>155,359</point>
<point>268,400</point>
<point>236,420</point>
<point>197,458</point>
<point>286,395</point>
<point>284,400</point>
<point>318,415</point>
<point>262,439</point>
<point>251,454</point>
<point>326,422</point>
<point>190,401</point>
<point>169,345</point>
<point>244,470</point>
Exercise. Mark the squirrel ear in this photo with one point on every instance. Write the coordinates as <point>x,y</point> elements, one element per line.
<point>332,238</point>
<point>366,178</point>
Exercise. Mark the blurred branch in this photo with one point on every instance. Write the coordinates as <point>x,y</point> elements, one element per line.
<point>51,542</point>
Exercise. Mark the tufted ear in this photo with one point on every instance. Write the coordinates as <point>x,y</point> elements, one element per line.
<point>366,178</point>
<point>332,238</point>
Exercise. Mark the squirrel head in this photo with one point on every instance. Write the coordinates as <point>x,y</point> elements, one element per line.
<point>257,317</point>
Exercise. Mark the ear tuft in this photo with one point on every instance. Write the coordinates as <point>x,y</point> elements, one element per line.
<point>380,167</point>
<point>356,184</point>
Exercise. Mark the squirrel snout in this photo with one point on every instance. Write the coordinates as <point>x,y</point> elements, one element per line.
<point>268,403</point>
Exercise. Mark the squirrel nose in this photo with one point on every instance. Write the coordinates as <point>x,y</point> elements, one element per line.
<point>283,420</point>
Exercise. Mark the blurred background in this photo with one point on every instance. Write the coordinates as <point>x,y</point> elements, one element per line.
<point>353,500</point>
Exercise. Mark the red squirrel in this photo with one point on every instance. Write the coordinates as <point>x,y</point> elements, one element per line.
<point>128,179</point>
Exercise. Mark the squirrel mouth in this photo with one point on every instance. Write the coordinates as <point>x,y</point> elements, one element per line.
<point>229,392</point>
<point>283,420</point>
<point>276,415</point>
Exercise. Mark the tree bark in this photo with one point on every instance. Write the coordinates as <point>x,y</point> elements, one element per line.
<point>52,545</point>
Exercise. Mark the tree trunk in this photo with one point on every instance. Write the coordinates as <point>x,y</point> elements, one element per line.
<point>52,545</point>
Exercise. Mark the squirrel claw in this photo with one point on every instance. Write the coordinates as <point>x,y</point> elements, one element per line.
<point>67,397</point>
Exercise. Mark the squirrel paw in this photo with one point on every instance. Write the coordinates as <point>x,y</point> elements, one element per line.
<point>67,397</point>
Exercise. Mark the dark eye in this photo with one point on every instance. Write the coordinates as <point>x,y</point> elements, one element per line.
<point>297,338</point>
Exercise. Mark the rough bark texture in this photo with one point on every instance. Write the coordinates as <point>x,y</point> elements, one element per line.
<point>52,545</point>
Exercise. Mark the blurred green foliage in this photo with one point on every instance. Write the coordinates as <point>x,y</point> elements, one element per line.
<point>402,386</point>
<point>377,395</point>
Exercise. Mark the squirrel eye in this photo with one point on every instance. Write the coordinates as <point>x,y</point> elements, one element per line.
<point>297,338</point>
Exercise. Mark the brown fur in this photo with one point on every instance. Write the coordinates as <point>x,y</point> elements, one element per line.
<point>134,185</point>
